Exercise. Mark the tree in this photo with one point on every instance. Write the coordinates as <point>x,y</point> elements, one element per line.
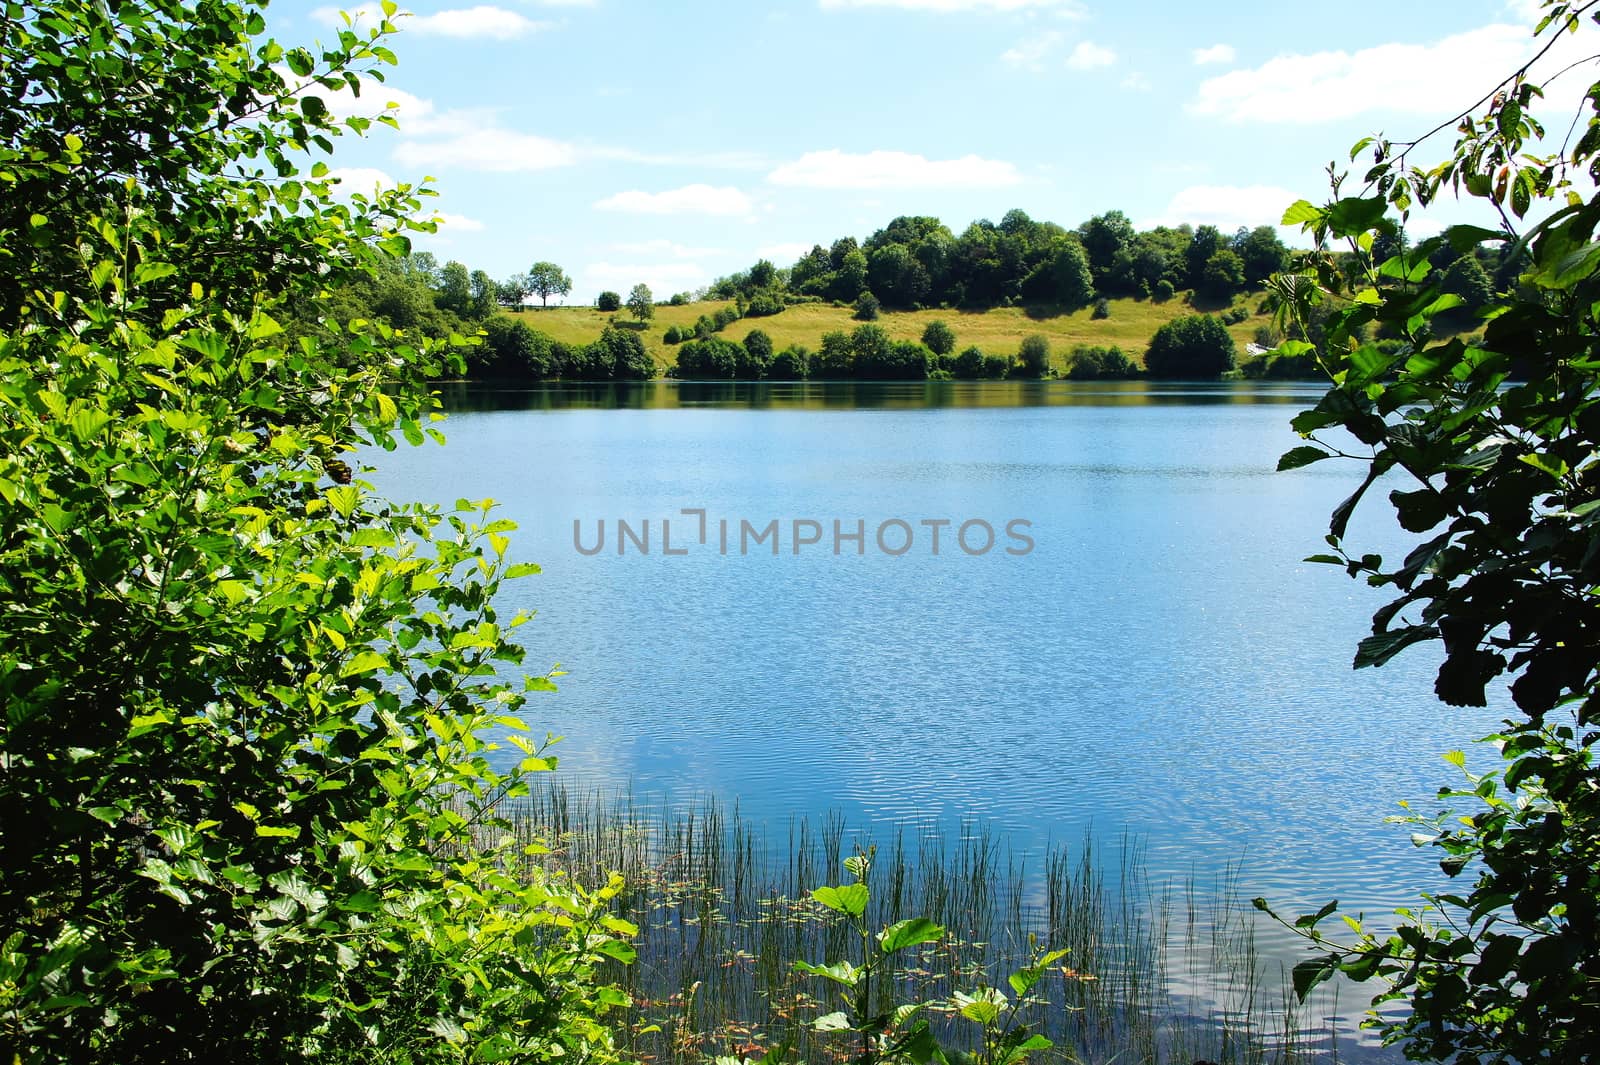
<point>1195,345</point>
<point>866,309</point>
<point>546,280</point>
<point>485,293</point>
<point>513,291</point>
<point>608,301</point>
<point>455,288</point>
<point>938,337</point>
<point>1261,252</point>
<point>641,302</point>
<point>1495,477</point>
<point>1223,275</point>
<point>1034,355</point>
<point>252,710</point>
<point>620,355</point>
<point>1074,283</point>
<point>1205,243</point>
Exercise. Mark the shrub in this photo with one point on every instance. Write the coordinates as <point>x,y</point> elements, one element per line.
<point>1102,309</point>
<point>790,364</point>
<point>938,338</point>
<point>1164,290</point>
<point>671,336</point>
<point>257,717</point>
<point>1034,355</point>
<point>1194,346</point>
<point>608,301</point>
<point>763,305</point>
<point>997,366</point>
<point>866,308</point>
<point>969,364</point>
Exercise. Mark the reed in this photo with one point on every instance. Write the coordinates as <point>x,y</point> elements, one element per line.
<point>1152,974</point>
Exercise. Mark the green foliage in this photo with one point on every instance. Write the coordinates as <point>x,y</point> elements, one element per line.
<point>886,1030</point>
<point>866,307</point>
<point>1034,356</point>
<point>764,305</point>
<point>998,367</point>
<point>1164,290</point>
<point>547,279</point>
<point>619,355</point>
<point>607,301</point>
<point>938,338</point>
<point>711,357</point>
<point>793,363</point>
<point>641,302</point>
<point>1095,363</point>
<point>1223,274</point>
<point>1195,345</point>
<point>969,364</point>
<point>254,714</point>
<point>1102,309</point>
<point>1497,480</point>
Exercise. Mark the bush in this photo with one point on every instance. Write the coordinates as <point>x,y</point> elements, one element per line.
<point>866,308</point>
<point>672,336</point>
<point>997,366</point>
<point>790,364</point>
<point>764,305</point>
<point>608,301</point>
<point>724,317</point>
<point>969,364</point>
<point>257,717</point>
<point>938,338</point>
<point>1194,346</point>
<point>1164,290</point>
<point>620,355</point>
<point>1235,315</point>
<point>714,358</point>
<point>1034,356</point>
<point>1097,363</point>
<point>757,358</point>
<point>1102,309</point>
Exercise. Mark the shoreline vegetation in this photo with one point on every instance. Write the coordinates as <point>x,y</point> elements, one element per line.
<point>724,913</point>
<point>914,301</point>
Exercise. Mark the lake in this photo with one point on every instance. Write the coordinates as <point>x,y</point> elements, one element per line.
<point>1144,652</point>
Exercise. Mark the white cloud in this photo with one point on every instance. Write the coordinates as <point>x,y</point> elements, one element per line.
<point>1419,79</point>
<point>457,223</point>
<point>1090,56</point>
<point>498,150</point>
<point>1031,52</point>
<point>1217,53</point>
<point>360,179</point>
<point>691,199</point>
<point>834,169</point>
<point>1070,8</point>
<point>1227,207</point>
<point>1136,82</point>
<point>663,278</point>
<point>480,21</point>
<point>664,247</point>
<point>783,254</point>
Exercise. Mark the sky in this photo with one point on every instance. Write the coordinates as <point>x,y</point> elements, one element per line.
<point>673,143</point>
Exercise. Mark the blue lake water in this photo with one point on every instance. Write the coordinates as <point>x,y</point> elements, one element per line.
<point>1160,663</point>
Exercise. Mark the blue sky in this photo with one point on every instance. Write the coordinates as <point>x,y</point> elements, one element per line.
<point>672,143</point>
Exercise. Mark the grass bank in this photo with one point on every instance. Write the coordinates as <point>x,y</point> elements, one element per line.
<point>724,913</point>
<point>1129,326</point>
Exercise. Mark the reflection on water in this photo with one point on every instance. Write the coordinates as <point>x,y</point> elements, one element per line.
<point>852,395</point>
<point>1162,664</point>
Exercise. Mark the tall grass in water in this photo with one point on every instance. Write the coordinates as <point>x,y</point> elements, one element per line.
<point>724,914</point>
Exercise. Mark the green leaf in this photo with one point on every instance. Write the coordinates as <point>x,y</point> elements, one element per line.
<point>365,662</point>
<point>1300,212</point>
<point>1308,974</point>
<point>848,899</point>
<point>908,933</point>
<point>1295,458</point>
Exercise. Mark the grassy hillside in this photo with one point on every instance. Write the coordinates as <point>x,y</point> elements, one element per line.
<point>1130,325</point>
